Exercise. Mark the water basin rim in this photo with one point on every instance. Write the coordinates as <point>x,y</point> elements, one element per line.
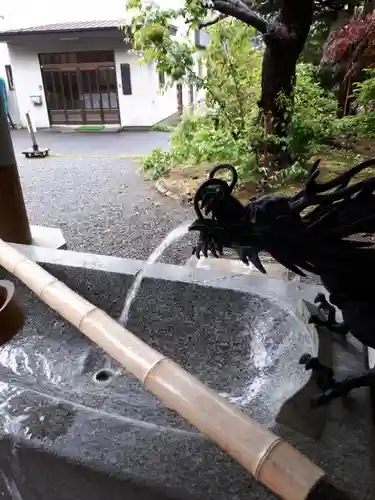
<point>162,271</point>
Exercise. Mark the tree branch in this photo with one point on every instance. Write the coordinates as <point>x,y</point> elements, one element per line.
<point>239,10</point>
<point>216,19</point>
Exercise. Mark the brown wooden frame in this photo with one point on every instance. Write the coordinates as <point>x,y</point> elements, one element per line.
<point>87,114</point>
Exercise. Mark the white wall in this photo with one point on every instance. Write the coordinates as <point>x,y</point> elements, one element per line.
<point>28,81</point>
<point>164,100</point>
<point>12,96</point>
<point>145,107</point>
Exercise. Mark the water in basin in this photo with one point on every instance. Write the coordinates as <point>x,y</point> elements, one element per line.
<point>244,346</point>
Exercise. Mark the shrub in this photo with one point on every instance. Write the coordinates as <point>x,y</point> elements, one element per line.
<point>211,139</point>
<point>363,123</point>
<point>159,127</point>
<point>365,91</point>
<point>314,114</point>
<point>157,163</point>
<point>197,140</point>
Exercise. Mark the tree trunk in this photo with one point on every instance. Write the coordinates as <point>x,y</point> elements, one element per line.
<point>14,224</point>
<point>368,6</point>
<point>284,44</point>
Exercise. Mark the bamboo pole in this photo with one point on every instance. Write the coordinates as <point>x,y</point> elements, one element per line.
<point>272,461</point>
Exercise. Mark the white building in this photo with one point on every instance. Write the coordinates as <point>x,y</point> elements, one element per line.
<point>7,75</point>
<point>82,72</point>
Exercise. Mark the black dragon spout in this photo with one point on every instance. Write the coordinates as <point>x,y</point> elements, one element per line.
<point>314,231</point>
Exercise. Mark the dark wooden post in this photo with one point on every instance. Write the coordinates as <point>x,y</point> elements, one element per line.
<point>14,224</point>
<point>180,99</point>
<point>368,6</point>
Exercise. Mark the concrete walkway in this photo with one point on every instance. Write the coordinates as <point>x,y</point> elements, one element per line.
<point>108,144</point>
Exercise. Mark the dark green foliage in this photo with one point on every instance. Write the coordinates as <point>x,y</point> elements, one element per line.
<point>232,129</point>
<point>202,139</point>
<point>158,127</point>
<point>361,125</point>
<point>156,164</point>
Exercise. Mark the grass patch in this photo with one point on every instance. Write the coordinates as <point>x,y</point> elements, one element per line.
<point>185,179</point>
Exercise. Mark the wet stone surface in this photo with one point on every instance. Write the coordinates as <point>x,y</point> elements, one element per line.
<point>245,347</point>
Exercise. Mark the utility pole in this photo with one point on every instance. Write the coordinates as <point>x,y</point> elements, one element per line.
<point>14,224</point>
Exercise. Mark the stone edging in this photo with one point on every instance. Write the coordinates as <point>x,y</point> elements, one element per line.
<point>161,189</point>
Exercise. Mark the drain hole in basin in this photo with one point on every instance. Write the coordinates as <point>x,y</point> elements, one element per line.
<point>103,376</point>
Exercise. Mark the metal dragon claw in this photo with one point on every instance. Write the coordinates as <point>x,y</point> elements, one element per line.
<point>324,376</point>
<point>204,247</point>
<point>250,255</point>
<point>338,391</point>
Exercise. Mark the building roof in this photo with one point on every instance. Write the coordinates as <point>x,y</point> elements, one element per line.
<point>82,29</point>
<point>66,27</point>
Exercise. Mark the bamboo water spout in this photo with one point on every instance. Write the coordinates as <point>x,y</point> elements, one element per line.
<point>272,461</point>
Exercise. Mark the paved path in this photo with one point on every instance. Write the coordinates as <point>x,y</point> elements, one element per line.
<point>108,144</point>
<point>103,205</point>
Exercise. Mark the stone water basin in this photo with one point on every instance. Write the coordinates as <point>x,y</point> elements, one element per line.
<point>244,346</point>
<point>61,395</point>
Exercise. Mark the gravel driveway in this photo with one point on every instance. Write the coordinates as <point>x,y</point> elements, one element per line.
<point>103,205</point>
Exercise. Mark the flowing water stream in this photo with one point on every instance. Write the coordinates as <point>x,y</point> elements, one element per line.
<point>171,237</point>
<point>272,348</point>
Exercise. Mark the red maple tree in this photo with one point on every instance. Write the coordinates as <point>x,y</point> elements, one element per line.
<point>351,49</point>
<point>352,45</point>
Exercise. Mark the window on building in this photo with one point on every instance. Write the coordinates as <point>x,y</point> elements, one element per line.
<point>126,79</point>
<point>9,73</point>
<point>161,79</point>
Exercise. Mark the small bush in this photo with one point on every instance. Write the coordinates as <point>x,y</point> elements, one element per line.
<point>211,139</point>
<point>197,140</point>
<point>363,123</point>
<point>314,114</point>
<point>157,163</point>
<point>365,91</point>
<point>233,132</point>
<point>158,127</point>
<point>356,127</point>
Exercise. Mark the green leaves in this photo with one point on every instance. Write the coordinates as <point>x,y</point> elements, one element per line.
<point>365,91</point>
<point>314,114</point>
<point>229,73</point>
<point>133,4</point>
<point>361,125</point>
<point>156,164</point>
<point>155,38</point>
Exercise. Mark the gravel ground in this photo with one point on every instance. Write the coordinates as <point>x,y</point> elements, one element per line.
<point>102,205</point>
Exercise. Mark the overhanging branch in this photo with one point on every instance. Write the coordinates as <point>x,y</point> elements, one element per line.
<point>216,19</point>
<point>239,10</point>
